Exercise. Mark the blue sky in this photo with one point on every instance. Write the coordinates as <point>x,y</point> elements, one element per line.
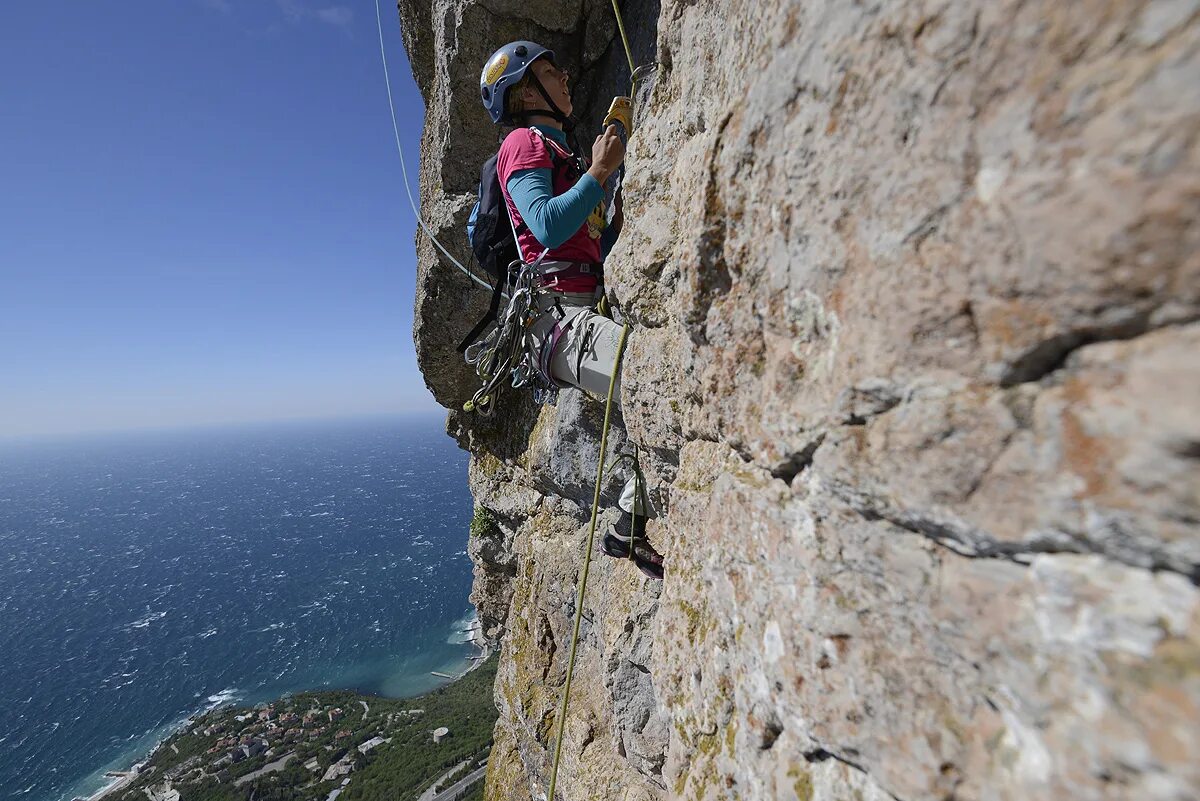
<point>202,216</point>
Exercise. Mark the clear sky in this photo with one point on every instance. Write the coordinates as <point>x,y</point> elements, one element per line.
<point>202,215</point>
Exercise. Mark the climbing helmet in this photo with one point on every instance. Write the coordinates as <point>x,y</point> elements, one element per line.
<point>507,66</point>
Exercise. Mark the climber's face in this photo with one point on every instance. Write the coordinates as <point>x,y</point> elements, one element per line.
<point>555,81</point>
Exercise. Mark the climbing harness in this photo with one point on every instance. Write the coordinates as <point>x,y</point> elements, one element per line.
<point>587,563</point>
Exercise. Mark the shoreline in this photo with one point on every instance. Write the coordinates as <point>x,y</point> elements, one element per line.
<point>120,779</point>
<point>479,641</point>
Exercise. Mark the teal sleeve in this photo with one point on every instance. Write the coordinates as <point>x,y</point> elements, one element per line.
<point>553,220</point>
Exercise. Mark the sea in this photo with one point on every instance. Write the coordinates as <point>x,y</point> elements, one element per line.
<point>146,577</point>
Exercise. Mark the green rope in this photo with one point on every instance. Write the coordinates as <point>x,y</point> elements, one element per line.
<point>587,563</point>
<point>628,50</point>
<point>587,560</point>
<point>624,38</point>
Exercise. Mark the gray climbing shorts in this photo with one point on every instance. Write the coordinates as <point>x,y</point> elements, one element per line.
<point>578,345</point>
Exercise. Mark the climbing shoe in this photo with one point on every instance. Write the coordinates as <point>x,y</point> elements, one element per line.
<point>648,560</point>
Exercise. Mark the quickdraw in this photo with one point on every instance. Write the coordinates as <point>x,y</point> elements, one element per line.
<point>509,354</point>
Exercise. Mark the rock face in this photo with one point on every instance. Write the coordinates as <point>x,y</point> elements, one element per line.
<point>916,378</point>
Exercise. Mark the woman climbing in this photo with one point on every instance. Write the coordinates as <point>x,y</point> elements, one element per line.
<point>555,202</point>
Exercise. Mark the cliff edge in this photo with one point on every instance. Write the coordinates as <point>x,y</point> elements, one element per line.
<point>915,374</point>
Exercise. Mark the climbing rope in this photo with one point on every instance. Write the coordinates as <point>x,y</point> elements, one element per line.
<point>587,563</point>
<point>635,73</point>
<point>404,168</point>
<point>624,38</point>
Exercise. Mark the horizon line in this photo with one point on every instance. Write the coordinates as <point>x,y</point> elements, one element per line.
<point>35,437</point>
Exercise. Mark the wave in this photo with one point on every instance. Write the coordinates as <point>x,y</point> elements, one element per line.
<point>462,631</point>
<point>226,696</point>
<point>144,622</point>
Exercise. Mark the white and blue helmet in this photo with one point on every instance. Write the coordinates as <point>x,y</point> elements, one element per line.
<point>507,66</point>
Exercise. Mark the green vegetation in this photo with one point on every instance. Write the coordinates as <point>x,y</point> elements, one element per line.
<point>319,734</point>
<point>482,523</point>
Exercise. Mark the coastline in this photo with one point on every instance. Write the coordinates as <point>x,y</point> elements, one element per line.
<point>309,746</point>
<point>479,641</point>
<point>121,779</point>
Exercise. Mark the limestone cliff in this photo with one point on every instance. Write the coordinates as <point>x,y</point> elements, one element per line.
<point>916,288</point>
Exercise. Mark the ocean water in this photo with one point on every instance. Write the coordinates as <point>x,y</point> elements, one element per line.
<point>145,577</point>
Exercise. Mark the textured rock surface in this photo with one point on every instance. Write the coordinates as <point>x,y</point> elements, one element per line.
<point>916,371</point>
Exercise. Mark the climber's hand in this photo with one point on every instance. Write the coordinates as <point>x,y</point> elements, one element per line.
<point>607,154</point>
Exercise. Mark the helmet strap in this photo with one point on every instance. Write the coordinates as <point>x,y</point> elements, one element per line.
<point>554,112</point>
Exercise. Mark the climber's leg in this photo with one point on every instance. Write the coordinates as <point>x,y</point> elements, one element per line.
<point>587,355</point>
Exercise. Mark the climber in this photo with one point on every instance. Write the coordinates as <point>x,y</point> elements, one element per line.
<point>555,202</point>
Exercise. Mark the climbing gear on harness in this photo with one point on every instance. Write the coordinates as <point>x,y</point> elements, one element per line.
<point>508,353</point>
<point>587,563</point>
<point>506,67</point>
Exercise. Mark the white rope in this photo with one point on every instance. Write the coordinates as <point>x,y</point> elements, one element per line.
<point>404,167</point>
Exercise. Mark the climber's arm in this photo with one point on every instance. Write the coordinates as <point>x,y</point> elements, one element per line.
<point>553,220</point>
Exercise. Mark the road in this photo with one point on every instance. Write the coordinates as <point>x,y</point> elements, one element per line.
<point>451,792</point>
<point>278,764</point>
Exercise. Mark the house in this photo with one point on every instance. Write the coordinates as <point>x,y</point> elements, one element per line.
<point>374,742</point>
<point>339,768</point>
<point>335,714</point>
